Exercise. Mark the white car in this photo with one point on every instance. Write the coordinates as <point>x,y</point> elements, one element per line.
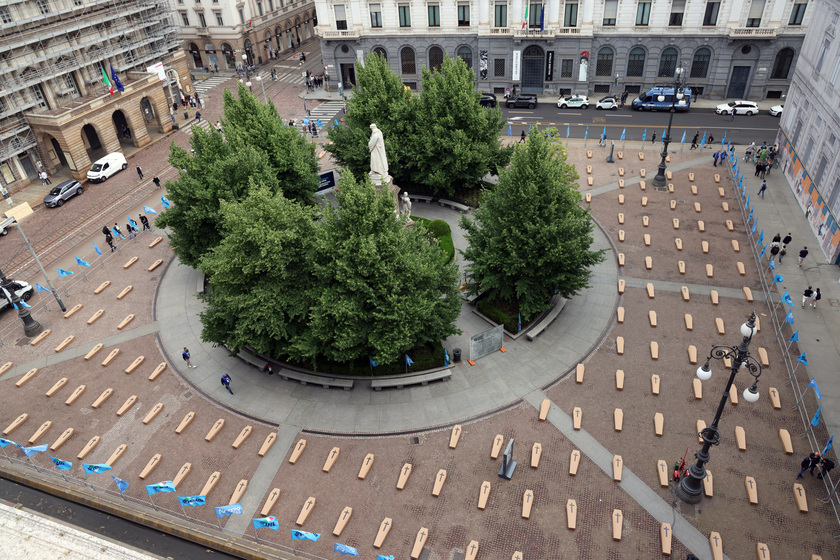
<point>776,110</point>
<point>748,108</point>
<point>607,103</point>
<point>580,101</point>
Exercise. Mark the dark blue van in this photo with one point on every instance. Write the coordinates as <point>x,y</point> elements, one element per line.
<point>649,100</point>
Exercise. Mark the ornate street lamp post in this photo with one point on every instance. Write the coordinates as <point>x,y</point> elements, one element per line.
<point>679,83</point>
<point>691,485</point>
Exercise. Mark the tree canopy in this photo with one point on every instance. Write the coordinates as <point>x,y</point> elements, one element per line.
<point>530,237</point>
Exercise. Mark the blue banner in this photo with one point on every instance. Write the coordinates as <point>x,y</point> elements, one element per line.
<point>149,210</point>
<point>93,469</point>
<point>4,442</point>
<point>813,384</point>
<point>795,336</point>
<point>165,201</point>
<point>30,451</point>
<point>62,273</point>
<point>61,465</point>
<point>408,361</point>
<point>165,486</point>
<point>122,485</point>
<point>192,501</point>
<point>345,550</point>
<point>96,248</point>
<point>224,511</point>
<point>816,420</point>
<point>266,523</point>
<point>304,536</point>
<point>82,262</point>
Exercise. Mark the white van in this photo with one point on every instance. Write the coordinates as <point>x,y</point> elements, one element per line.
<point>23,290</point>
<point>106,166</point>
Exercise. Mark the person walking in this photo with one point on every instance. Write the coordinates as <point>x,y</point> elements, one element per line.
<point>186,355</point>
<point>653,138</point>
<point>757,169</point>
<point>782,254</point>
<point>603,141</point>
<point>732,115</point>
<point>762,188</point>
<point>695,140</point>
<point>786,240</point>
<point>815,297</point>
<point>198,115</point>
<point>145,221</point>
<point>132,231</point>
<point>774,250</point>
<point>806,296</point>
<point>226,382</point>
<point>802,254</point>
<point>156,181</point>
<point>825,466</point>
<point>809,462</point>
<point>139,171</point>
<point>116,229</point>
<point>109,239</point>
<point>522,137</point>
<point>776,239</point>
<point>716,155</point>
<point>106,231</point>
<point>763,172</point>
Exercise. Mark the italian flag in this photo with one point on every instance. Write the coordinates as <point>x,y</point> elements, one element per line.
<point>107,82</point>
<point>525,21</point>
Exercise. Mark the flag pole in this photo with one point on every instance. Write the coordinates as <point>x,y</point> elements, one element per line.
<point>152,502</point>
<point>87,477</point>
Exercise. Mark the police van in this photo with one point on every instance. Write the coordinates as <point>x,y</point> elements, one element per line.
<point>649,100</point>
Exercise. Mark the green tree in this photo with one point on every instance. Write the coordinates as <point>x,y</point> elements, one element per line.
<point>530,235</point>
<point>261,274</point>
<point>382,288</point>
<point>247,122</point>
<point>457,140</point>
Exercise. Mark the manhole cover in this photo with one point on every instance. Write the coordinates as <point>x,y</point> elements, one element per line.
<point>415,440</point>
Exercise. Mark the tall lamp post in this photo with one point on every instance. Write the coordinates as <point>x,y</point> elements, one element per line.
<point>247,70</point>
<point>659,180</point>
<point>691,485</point>
<point>260,81</point>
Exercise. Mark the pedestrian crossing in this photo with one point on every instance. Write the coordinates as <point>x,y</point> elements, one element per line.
<point>204,86</point>
<point>205,124</point>
<point>326,112</point>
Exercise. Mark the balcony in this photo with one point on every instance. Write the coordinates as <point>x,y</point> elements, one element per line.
<point>534,33</point>
<point>337,35</point>
<point>202,31</point>
<point>753,33</point>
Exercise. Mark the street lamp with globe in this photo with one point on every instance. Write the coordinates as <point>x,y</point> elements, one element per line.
<point>691,485</point>
<point>678,98</point>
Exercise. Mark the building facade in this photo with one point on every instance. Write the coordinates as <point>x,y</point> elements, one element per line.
<point>810,127</point>
<point>730,48</point>
<point>216,33</point>
<point>55,111</point>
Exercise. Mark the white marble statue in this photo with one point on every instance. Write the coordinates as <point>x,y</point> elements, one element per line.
<point>378,159</point>
<point>406,204</point>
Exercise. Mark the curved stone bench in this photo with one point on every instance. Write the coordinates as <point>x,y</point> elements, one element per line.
<point>419,379</point>
<point>549,317</point>
<point>306,379</point>
<point>421,198</point>
<point>452,204</point>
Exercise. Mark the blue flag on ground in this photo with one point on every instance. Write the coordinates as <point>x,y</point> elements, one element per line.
<point>305,536</point>
<point>122,485</point>
<point>30,451</point>
<point>96,248</point>
<point>93,469</point>
<point>132,222</point>
<point>786,298</point>
<point>266,523</point>
<point>345,550</point>
<point>165,486</point>
<point>623,132</point>
<point>373,363</point>
<point>408,361</point>
<point>61,465</point>
<point>828,445</point>
<point>192,501</point>
<point>62,273</point>
<point>644,135</point>
<point>813,384</point>
<point>815,421</point>
<point>789,317</point>
<point>82,262</point>
<point>4,442</point>
<point>795,337</point>
<point>149,210</point>
<point>778,278</point>
<point>224,511</point>
<point>165,201</point>
<point>41,288</point>
<point>772,263</point>
<point>802,359</point>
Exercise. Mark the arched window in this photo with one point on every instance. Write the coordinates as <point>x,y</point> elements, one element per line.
<point>700,64</point>
<point>781,68</point>
<point>435,58</point>
<point>668,63</point>
<point>465,54</point>
<point>380,51</point>
<point>407,61</point>
<point>605,62</point>
<point>636,62</point>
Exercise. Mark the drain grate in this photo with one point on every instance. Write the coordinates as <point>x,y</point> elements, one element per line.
<point>414,440</point>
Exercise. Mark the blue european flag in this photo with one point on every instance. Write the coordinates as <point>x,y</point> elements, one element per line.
<point>815,421</point>
<point>266,523</point>
<point>802,359</point>
<point>149,210</point>
<point>122,485</point>
<point>623,132</point>
<point>96,248</point>
<point>778,278</point>
<point>93,469</point>
<point>345,550</point>
<point>165,201</point>
<point>117,81</point>
<point>61,465</point>
<point>41,288</point>
<point>813,384</point>
<point>795,337</point>
<point>304,536</point>
<point>62,273</point>
<point>224,511</point>
<point>82,262</point>
<point>408,361</point>
<point>192,501</point>
<point>165,486</point>
<point>789,317</point>
<point>30,451</point>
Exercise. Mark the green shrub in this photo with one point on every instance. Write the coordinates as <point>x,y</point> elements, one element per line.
<point>502,312</point>
<point>447,246</point>
<point>425,357</point>
<point>439,228</point>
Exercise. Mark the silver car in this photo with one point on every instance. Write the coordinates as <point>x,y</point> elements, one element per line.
<point>61,192</point>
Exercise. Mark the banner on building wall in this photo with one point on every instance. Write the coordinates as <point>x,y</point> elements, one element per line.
<point>517,66</point>
<point>157,69</point>
<point>360,56</point>
<point>583,72</point>
<point>482,64</point>
<point>549,66</point>
<point>815,207</point>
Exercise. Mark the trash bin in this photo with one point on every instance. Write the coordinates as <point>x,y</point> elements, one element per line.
<point>456,355</point>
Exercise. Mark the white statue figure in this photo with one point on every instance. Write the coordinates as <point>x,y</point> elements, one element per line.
<point>378,160</point>
<point>406,204</point>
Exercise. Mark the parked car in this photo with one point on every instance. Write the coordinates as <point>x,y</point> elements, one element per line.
<point>580,101</point>
<point>776,110</point>
<point>487,100</point>
<point>522,100</point>
<point>607,103</point>
<point>23,290</point>
<point>740,107</point>
<point>106,167</point>
<point>61,192</point>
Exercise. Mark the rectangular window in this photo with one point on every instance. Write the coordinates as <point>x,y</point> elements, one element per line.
<point>185,19</point>
<point>463,15</point>
<point>534,11</point>
<point>340,17</point>
<point>37,95</point>
<point>797,13</point>
<point>643,13</point>
<point>570,16</point>
<point>677,11</point>
<point>201,21</point>
<point>610,12</point>
<point>241,16</point>
<point>180,1</point>
<point>821,59</point>
<point>566,67</point>
<point>756,11</point>
<point>5,15</point>
<point>219,20</point>
<point>405,15</point>
<point>376,15</point>
<point>43,6</point>
<point>835,72</point>
<point>215,1</point>
<point>501,18</point>
<point>711,15</point>
<point>499,67</point>
<point>259,8</point>
<point>434,15</point>
<point>270,5</point>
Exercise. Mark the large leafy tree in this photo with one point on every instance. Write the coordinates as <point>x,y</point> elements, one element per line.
<point>261,274</point>
<point>530,235</point>
<point>382,288</point>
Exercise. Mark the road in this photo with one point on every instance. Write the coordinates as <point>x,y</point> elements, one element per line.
<point>742,130</point>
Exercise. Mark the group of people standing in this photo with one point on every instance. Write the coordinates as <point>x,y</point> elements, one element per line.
<point>313,81</point>
<point>129,227</point>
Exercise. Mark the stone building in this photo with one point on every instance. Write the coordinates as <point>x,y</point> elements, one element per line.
<point>732,48</point>
<point>55,110</point>
<point>216,33</point>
